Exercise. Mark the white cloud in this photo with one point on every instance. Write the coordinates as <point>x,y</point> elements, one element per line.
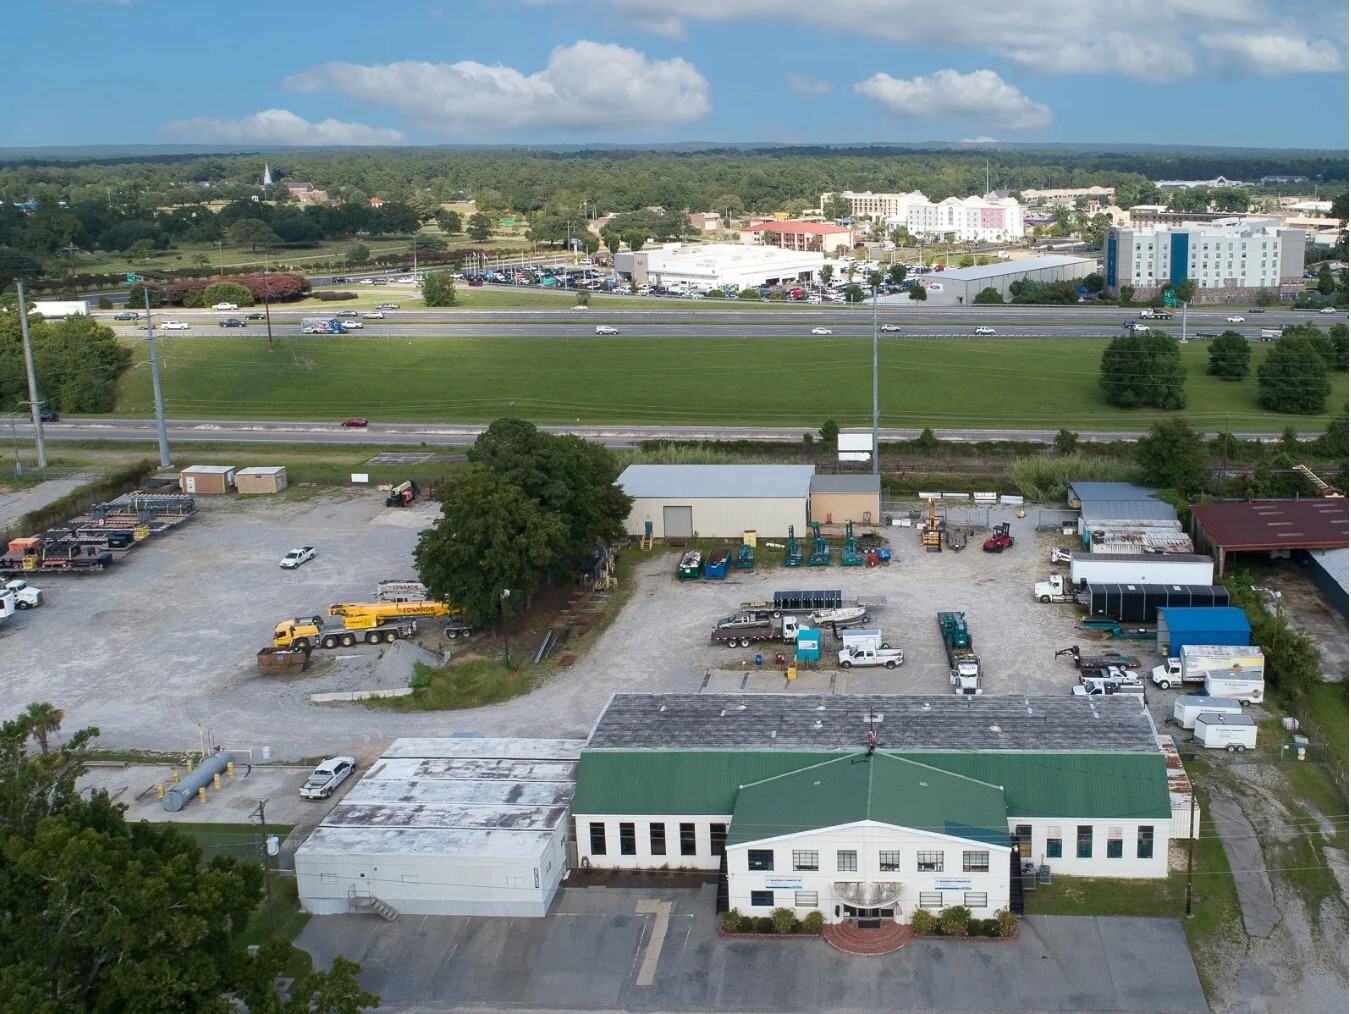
<point>279,126</point>
<point>980,140</point>
<point>1274,55</point>
<point>804,85</point>
<point>587,86</point>
<point>977,99</point>
<point>1146,39</point>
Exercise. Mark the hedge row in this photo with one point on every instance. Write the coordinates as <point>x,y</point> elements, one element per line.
<point>111,486</point>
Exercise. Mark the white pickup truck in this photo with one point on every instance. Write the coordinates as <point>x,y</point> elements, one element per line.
<point>866,655</point>
<point>25,595</point>
<point>297,556</point>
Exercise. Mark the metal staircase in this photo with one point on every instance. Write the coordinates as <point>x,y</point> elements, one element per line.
<point>365,901</point>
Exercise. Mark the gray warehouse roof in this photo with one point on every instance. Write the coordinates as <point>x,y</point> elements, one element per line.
<point>904,723</point>
<point>753,482</point>
<point>847,483</point>
<point>1015,267</point>
<point>1087,491</point>
<point>1127,510</point>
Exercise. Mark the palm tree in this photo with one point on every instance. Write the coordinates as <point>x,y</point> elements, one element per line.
<point>45,719</point>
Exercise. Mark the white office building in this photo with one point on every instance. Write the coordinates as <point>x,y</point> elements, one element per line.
<point>701,267</point>
<point>986,219</point>
<point>1230,260</point>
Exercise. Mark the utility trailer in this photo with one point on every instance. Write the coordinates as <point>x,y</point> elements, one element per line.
<point>797,602</point>
<point>1102,660</point>
<point>1133,603</point>
<point>743,629</point>
<point>1117,631</point>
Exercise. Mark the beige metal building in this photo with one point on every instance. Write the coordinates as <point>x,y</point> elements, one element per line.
<point>836,499</point>
<point>717,501</point>
<point>261,479</point>
<point>207,479</point>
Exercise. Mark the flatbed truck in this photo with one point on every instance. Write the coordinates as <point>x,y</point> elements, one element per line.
<point>963,662</point>
<point>745,628</point>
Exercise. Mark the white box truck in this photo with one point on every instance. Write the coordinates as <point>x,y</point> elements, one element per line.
<point>1232,732</point>
<point>59,309</point>
<point>1189,706</point>
<point>1142,568</point>
<point>1196,662</point>
<point>1243,689</point>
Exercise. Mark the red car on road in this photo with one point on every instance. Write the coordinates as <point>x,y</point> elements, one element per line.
<point>354,423</point>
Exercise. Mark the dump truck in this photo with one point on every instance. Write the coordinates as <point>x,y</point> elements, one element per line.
<point>1196,662</point>
<point>797,602</point>
<point>318,632</point>
<point>963,662</point>
<point>1099,661</point>
<point>746,627</point>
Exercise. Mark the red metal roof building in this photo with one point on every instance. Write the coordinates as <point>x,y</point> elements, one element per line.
<point>1266,525</point>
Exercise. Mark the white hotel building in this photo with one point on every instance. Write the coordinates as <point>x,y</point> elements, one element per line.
<point>987,219</point>
<point>1229,260</point>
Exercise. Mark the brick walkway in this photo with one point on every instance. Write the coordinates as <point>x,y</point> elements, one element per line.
<point>867,942</point>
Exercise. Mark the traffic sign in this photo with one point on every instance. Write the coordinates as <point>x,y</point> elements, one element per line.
<point>131,277</point>
<point>1170,298</point>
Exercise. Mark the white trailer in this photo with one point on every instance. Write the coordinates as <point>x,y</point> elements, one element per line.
<point>1143,568</point>
<point>59,309</point>
<point>1232,732</point>
<point>1188,707</point>
<point>860,638</point>
<point>1242,689</point>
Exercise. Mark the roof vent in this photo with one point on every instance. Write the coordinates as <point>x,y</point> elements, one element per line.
<point>821,704</point>
<point>926,705</point>
<point>773,733</point>
<point>741,704</point>
<point>994,727</point>
<point>816,724</point>
<point>923,785</point>
<point>722,713</point>
<point>662,708</point>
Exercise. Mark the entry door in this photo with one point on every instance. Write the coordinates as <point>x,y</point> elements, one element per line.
<point>869,918</point>
<point>192,483</point>
<point>677,522</point>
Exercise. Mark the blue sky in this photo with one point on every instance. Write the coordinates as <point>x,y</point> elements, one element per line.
<point>1268,73</point>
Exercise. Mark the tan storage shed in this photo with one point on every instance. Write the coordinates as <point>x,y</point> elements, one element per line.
<point>207,479</point>
<point>717,501</point>
<point>261,479</point>
<point>840,498</point>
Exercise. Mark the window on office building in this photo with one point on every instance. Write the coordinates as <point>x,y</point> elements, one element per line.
<point>929,862</point>
<point>804,899</point>
<point>1114,843</point>
<point>889,862</point>
<point>717,838</point>
<point>975,862</point>
<point>760,859</point>
<point>628,840</point>
<point>807,860</point>
<point>656,837</point>
<point>846,862</point>
<point>1144,842</point>
<point>1084,849</point>
<point>930,899</point>
<point>597,838</point>
<point>976,899</point>
<point>762,899</point>
<point>688,847</point>
<point>1053,843</point>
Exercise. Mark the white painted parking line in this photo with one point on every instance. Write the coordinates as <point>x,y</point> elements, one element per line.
<point>647,973</point>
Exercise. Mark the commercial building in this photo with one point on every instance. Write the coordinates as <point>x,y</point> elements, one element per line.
<point>873,806</point>
<point>987,219</point>
<point>446,827</point>
<point>716,501</point>
<point>854,497</point>
<point>1230,260</point>
<point>1201,625</point>
<point>866,204</point>
<point>1327,568</point>
<point>1269,527</point>
<point>1068,197</point>
<point>715,265</point>
<point>821,237</point>
<point>959,286</point>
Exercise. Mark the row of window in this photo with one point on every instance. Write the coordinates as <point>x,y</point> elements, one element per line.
<point>846,861</point>
<point>656,839</point>
<point>1083,845</point>
<point>927,899</point>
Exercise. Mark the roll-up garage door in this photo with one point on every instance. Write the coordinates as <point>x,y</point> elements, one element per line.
<point>677,522</point>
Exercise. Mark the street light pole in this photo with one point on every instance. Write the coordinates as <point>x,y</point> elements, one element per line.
<point>34,403</point>
<point>506,646</point>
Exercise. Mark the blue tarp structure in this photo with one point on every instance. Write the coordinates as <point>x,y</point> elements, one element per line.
<point>1227,625</point>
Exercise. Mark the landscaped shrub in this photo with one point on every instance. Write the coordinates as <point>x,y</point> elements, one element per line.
<point>1007,922</point>
<point>745,924</point>
<point>783,919</point>
<point>954,921</point>
<point>923,922</point>
<point>731,920</point>
<point>329,296</point>
<point>813,921</point>
<point>764,924</point>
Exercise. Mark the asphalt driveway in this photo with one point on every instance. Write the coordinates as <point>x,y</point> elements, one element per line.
<point>594,951</point>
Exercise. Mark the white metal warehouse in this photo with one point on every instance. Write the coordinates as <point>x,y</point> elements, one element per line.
<point>717,501</point>
<point>446,827</point>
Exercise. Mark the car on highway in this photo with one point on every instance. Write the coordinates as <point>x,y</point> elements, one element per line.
<point>50,416</point>
<point>1328,309</point>
<point>253,316</point>
<point>606,329</point>
<point>1234,320</point>
<point>475,283</point>
<point>386,306</point>
<point>1257,309</point>
<point>581,306</point>
<point>354,424</point>
<point>891,327</point>
<point>231,322</point>
<point>126,315</point>
<point>985,330</point>
<point>352,325</point>
<point>345,313</point>
<point>374,315</point>
<point>822,330</point>
<point>327,776</point>
<point>340,280</point>
<point>226,306</point>
<point>297,556</point>
<point>366,281</point>
<point>174,325</point>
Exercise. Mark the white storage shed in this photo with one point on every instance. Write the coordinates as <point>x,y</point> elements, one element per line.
<point>446,827</point>
<point>717,501</point>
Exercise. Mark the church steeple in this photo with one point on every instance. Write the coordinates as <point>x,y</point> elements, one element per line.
<point>267,175</point>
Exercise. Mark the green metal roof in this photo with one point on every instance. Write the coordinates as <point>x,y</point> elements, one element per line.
<point>875,787</point>
<point>706,782</point>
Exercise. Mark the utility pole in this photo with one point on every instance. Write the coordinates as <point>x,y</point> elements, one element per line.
<point>267,864</point>
<point>34,403</point>
<point>267,306</point>
<point>164,460</point>
<point>877,450</point>
<point>1191,849</point>
<point>1184,324</point>
<point>506,646</point>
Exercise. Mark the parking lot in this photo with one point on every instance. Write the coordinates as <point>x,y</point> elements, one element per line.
<point>159,650</point>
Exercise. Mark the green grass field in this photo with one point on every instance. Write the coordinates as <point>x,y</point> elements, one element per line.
<point>1025,384</point>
